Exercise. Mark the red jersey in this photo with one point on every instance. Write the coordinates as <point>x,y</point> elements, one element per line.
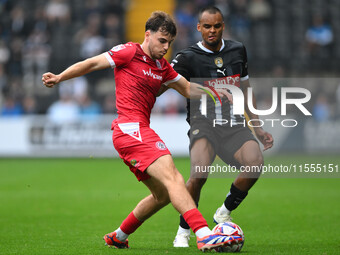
<point>138,80</point>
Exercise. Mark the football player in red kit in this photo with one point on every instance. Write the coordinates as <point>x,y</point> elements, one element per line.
<point>140,70</point>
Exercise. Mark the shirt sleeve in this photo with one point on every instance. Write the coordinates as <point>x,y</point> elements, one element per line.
<point>120,55</point>
<point>171,75</point>
<point>179,64</point>
<point>244,75</point>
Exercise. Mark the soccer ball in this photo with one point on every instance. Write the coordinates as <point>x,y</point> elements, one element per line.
<point>235,232</point>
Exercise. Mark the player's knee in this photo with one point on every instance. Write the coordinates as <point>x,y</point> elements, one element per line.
<point>173,177</point>
<point>196,182</point>
<point>259,159</point>
<point>197,163</point>
<point>178,177</point>
<point>199,172</point>
<point>254,159</point>
<point>162,198</point>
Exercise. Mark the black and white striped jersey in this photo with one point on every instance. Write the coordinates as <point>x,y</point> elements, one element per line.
<point>199,64</point>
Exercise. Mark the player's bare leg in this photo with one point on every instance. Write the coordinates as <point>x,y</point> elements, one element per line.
<point>249,155</point>
<point>202,154</point>
<point>158,198</point>
<point>167,184</point>
<point>164,171</point>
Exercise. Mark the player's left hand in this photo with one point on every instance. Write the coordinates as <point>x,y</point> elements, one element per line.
<point>265,138</point>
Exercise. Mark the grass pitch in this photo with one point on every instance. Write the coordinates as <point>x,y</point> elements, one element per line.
<point>65,206</point>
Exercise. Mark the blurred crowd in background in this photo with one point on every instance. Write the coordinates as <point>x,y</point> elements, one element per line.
<point>283,38</point>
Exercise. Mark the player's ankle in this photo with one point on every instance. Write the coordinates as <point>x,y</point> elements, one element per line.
<point>121,236</point>
<point>183,230</point>
<point>224,210</point>
<point>202,232</point>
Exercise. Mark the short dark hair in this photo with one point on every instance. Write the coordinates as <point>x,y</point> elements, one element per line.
<point>211,10</point>
<point>163,21</point>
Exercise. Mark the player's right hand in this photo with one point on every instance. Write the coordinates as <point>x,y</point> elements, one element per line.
<point>265,138</point>
<point>225,94</point>
<point>50,79</point>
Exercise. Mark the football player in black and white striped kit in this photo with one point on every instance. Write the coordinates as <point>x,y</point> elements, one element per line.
<point>218,132</point>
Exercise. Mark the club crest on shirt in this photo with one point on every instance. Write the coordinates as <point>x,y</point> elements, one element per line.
<point>195,132</point>
<point>144,58</point>
<point>218,62</point>
<point>160,146</point>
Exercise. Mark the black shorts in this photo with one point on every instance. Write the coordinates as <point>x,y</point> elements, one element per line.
<point>224,139</point>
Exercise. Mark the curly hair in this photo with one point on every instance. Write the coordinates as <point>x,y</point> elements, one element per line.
<point>161,21</point>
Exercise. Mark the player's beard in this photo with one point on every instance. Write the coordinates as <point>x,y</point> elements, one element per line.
<point>152,53</point>
<point>214,43</point>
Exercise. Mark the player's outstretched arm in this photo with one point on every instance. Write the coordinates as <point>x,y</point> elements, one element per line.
<point>265,138</point>
<point>78,69</point>
<point>195,90</point>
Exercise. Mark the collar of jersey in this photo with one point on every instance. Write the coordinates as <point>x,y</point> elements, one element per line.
<point>199,44</point>
<point>146,55</point>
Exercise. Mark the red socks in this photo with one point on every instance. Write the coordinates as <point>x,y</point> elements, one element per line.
<point>130,224</point>
<point>195,219</point>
